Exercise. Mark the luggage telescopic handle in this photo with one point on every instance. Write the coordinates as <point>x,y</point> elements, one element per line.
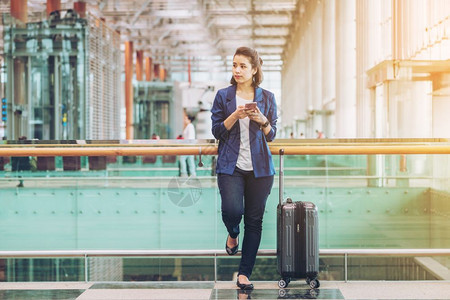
<point>281,177</point>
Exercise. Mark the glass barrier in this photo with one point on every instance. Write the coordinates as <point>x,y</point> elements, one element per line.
<point>142,203</point>
<point>42,269</point>
<point>184,268</point>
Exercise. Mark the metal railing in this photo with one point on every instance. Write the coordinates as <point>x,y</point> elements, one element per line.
<point>212,253</point>
<point>170,147</point>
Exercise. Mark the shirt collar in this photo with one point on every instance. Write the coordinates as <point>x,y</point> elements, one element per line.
<point>231,93</point>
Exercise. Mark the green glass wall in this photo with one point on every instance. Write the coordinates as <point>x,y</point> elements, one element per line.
<point>117,203</point>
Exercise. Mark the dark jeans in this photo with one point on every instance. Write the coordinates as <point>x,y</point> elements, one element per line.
<point>243,194</point>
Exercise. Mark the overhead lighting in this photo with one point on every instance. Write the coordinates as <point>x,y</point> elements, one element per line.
<point>176,13</point>
<point>231,21</point>
<point>273,20</point>
<point>267,30</point>
<point>168,27</point>
<point>270,41</point>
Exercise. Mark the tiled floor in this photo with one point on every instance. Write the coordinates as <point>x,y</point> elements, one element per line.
<point>226,290</point>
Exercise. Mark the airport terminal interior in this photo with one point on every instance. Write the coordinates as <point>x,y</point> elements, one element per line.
<point>94,203</point>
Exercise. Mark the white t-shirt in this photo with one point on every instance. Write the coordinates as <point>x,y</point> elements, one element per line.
<point>189,132</point>
<point>244,161</point>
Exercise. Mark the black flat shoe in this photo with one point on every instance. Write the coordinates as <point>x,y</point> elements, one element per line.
<point>231,251</point>
<point>244,286</point>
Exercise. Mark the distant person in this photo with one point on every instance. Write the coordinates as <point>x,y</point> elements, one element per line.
<point>302,135</point>
<point>320,134</point>
<point>292,135</point>
<point>245,170</point>
<point>155,136</point>
<point>187,162</point>
<point>20,163</point>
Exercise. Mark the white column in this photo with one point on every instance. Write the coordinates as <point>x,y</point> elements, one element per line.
<point>414,108</point>
<point>441,109</point>
<point>316,61</point>
<point>345,68</point>
<point>366,45</point>
<point>329,64</point>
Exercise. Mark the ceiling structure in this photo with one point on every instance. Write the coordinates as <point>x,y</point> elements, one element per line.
<point>202,33</point>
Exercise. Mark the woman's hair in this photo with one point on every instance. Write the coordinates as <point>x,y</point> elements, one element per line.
<point>255,61</point>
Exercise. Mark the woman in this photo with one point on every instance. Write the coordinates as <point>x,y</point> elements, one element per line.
<point>244,165</point>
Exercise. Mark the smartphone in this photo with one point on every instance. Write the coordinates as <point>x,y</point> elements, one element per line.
<point>251,105</point>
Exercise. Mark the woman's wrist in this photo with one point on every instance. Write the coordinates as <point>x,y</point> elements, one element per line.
<point>264,122</point>
<point>229,122</point>
<point>233,118</point>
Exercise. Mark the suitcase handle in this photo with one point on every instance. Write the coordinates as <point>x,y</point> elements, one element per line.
<point>281,177</point>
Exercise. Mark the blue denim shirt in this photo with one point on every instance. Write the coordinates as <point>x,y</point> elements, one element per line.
<point>229,140</point>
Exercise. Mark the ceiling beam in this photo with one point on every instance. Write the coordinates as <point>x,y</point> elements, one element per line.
<point>139,12</point>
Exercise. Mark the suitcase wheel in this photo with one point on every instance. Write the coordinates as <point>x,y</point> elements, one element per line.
<point>283,282</point>
<point>314,284</point>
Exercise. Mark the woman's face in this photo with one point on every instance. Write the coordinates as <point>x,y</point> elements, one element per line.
<point>242,69</point>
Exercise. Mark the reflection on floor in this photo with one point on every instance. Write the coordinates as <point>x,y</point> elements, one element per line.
<point>225,290</point>
<point>277,294</point>
<point>40,294</point>
<point>153,285</point>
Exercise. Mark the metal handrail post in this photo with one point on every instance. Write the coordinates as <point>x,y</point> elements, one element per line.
<point>345,267</point>
<point>86,279</point>
<point>215,267</point>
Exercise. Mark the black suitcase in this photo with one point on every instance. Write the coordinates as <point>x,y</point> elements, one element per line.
<point>297,238</point>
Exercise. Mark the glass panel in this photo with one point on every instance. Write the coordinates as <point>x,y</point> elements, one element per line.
<point>141,203</point>
<point>151,269</point>
<point>397,268</point>
<point>402,203</point>
<point>42,269</point>
<point>331,268</point>
<point>39,74</point>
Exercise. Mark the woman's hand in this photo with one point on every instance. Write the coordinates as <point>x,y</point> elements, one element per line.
<point>256,115</point>
<point>240,112</point>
